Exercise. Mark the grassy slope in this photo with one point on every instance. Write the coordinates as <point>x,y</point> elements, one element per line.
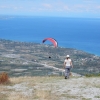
<point>51,88</point>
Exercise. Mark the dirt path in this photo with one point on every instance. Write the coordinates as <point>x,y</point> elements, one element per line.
<point>60,70</point>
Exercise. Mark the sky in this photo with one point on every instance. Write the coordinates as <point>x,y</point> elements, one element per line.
<point>60,8</point>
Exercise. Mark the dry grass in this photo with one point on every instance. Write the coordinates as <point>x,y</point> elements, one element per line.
<point>51,88</point>
<point>45,95</point>
<point>3,90</point>
<point>18,96</point>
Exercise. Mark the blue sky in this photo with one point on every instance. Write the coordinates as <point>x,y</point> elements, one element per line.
<point>63,8</point>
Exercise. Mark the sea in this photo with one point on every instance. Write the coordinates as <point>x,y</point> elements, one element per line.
<point>78,33</point>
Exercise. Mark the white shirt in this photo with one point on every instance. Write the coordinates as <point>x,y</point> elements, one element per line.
<point>68,61</point>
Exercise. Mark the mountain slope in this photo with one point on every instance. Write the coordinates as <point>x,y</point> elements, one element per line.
<point>22,58</point>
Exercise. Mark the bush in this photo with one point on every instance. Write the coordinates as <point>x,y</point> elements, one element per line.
<point>4,78</point>
<point>92,75</point>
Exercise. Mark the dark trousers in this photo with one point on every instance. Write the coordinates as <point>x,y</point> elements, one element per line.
<point>67,72</point>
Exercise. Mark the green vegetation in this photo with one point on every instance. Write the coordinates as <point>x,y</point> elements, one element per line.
<point>93,75</point>
<point>30,56</point>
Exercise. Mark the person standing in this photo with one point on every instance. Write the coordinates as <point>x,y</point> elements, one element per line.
<point>67,65</point>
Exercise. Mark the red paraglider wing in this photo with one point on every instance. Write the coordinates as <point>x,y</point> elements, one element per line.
<point>52,40</point>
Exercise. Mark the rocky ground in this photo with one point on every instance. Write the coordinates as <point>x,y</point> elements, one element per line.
<point>51,88</point>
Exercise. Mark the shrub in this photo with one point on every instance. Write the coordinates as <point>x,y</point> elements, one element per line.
<point>4,78</point>
<point>92,75</point>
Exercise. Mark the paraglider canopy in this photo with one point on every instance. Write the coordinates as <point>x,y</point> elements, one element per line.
<point>51,40</point>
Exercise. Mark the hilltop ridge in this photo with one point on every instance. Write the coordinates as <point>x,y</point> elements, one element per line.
<point>51,88</point>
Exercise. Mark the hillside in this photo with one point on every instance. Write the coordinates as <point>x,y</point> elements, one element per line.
<point>28,59</point>
<point>51,88</point>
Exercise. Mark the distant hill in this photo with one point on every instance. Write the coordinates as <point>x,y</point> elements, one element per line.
<point>26,58</point>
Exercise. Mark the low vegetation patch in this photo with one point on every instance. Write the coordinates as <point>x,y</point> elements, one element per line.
<point>4,78</point>
<point>93,75</point>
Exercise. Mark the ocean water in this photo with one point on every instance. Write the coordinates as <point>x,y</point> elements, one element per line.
<point>79,33</point>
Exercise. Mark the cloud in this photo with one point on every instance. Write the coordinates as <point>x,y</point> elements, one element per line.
<point>98,7</point>
<point>2,7</point>
<point>47,6</point>
<point>50,6</point>
<point>66,7</point>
